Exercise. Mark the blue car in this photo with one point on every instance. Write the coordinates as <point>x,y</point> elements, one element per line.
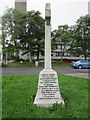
<point>81,64</point>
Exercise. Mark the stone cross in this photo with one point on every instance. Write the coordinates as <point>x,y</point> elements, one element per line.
<point>48,89</point>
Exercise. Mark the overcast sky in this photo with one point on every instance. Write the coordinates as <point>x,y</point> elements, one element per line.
<point>63,11</point>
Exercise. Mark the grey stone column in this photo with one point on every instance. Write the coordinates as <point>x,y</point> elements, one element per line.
<point>47,37</point>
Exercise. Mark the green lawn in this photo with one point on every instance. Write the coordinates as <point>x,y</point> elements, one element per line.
<point>24,64</point>
<point>27,64</point>
<point>19,92</point>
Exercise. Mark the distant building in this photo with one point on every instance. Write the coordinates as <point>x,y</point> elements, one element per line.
<point>60,50</point>
<point>21,5</point>
<point>89,8</point>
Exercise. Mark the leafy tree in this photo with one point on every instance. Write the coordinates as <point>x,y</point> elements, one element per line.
<point>80,34</point>
<point>22,32</point>
<point>53,40</point>
<point>36,28</point>
<point>72,41</point>
<point>61,36</point>
<point>11,30</point>
<point>33,39</point>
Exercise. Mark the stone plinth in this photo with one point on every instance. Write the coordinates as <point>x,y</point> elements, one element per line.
<point>48,89</point>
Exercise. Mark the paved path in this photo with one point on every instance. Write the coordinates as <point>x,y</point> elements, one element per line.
<point>64,70</point>
<point>82,75</point>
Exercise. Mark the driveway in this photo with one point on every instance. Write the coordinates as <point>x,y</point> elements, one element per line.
<point>84,73</point>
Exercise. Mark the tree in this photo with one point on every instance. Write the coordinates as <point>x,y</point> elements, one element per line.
<point>80,34</point>
<point>33,42</point>
<point>61,36</point>
<point>12,21</point>
<point>53,40</point>
<point>37,32</point>
<point>23,32</point>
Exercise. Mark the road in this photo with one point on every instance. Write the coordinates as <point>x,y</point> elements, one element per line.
<point>84,73</point>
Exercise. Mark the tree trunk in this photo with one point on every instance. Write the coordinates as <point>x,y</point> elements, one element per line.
<point>85,56</point>
<point>6,59</point>
<point>17,55</point>
<point>37,55</point>
<point>61,51</point>
<point>30,60</point>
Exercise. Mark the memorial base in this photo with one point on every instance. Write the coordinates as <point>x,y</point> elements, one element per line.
<point>48,89</point>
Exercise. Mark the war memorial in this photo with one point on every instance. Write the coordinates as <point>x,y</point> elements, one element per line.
<point>48,90</point>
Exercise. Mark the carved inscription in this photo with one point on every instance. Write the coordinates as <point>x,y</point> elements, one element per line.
<point>48,86</point>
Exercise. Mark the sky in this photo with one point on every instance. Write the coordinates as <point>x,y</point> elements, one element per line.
<point>62,11</point>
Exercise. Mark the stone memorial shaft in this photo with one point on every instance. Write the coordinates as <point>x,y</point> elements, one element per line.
<point>47,37</point>
<point>48,89</point>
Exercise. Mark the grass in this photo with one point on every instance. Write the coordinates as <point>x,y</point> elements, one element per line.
<point>60,64</point>
<point>24,64</point>
<point>19,92</point>
<point>27,64</point>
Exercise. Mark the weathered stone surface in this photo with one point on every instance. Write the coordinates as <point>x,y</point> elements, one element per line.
<point>47,37</point>
<point>48,89</point>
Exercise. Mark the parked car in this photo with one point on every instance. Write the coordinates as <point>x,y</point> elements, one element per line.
<point>81,64</point>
